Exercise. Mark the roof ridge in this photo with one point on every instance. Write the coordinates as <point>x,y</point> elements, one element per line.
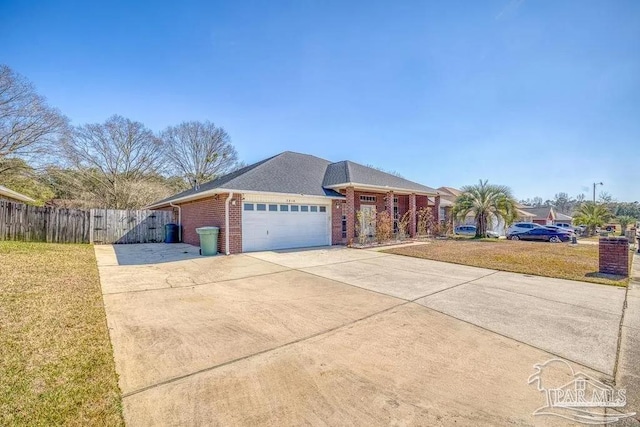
<point>348,169</point>
<point>304,154</point>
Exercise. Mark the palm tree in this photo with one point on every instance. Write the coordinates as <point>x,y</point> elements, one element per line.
<point>624,221</point>
<point>486,202</point>
<point>592,215</point>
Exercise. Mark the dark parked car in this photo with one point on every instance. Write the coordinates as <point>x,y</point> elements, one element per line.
<point>544,234</point>
<point>561,229</point>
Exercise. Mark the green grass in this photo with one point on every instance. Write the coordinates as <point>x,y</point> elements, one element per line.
<point>560,260</point>
<point>56,361</point>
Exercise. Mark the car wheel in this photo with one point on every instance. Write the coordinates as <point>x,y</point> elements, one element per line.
<point>515,238</point>
<point>555,239</point>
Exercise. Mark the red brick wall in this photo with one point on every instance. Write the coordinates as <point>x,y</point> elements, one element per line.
<point>210,212</point>
<point>413,220</point>
<point>235,224</point>
<point>422,202</point>
<point>352,205</point>
<point>614,255</point>
<point>336,222</point>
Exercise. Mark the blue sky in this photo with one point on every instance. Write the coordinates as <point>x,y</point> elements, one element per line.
<point>543,96</point>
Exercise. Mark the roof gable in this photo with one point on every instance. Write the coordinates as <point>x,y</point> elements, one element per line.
<point>348,172</point>
<point>540,213</point>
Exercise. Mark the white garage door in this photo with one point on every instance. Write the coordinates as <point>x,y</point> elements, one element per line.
<point>267,226</point>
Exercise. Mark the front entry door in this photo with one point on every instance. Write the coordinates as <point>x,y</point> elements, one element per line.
<point>368,220</point>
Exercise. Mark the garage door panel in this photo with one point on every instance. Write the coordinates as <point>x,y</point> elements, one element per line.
<point>265,230</point>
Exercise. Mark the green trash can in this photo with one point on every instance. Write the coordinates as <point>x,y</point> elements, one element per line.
<point>208,240</point>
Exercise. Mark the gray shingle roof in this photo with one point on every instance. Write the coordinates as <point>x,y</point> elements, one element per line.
<point>538,213</point>
<point>347,171</point>
<point>295,173</point>
<point>287,172</point>
<point>563,217</point>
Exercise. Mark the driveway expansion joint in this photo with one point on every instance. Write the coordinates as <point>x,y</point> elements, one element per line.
<point>268,350</point>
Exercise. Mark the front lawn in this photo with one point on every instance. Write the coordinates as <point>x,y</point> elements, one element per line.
<point>561,260</point>
<point>56,362</point>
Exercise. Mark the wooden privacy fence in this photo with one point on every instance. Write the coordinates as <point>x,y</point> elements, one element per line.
<point>128,226</point>
<point>41,224</point>
<point>54,225</point>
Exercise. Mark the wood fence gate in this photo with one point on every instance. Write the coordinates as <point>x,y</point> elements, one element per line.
<point>128,226</point>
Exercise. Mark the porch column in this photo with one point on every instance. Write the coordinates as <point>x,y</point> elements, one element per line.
<point>350,212</point>
<point>436,209</point>
<point>389,204</point>
<point>412,214</point>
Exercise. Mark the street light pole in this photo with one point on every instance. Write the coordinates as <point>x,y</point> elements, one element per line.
<point>594,191</point>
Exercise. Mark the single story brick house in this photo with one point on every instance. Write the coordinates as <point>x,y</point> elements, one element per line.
<point>14,196</point>
<point>294,200</point>
<point>547,215</point>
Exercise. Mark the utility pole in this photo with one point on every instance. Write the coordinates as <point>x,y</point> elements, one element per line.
<point>594,191</point>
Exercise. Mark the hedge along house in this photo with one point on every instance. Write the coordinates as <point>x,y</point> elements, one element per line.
<point>294,200</point>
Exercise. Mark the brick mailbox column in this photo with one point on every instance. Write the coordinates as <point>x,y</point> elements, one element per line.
<point>614,255</point>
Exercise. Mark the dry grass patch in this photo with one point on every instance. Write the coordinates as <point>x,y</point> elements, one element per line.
<point>56,362</point>
<point>561,260</point>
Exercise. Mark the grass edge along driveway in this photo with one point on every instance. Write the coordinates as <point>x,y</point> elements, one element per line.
<point>56,363</point>
<point>558,260</point>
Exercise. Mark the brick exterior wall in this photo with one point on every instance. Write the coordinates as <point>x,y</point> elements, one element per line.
<point>614,255</point>
<point>413,221</point>
<point>352,205</point>
<point>390,203</point>
<point>211,212</point>
<point>336,222</point>
<point>235,223</point>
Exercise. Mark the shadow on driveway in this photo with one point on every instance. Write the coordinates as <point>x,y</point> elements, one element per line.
<point>151,253</point>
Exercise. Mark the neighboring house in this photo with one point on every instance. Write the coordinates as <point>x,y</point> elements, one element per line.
<point>562,218</point>
<point>14,196</point>
<point>547,215</point>
<point>294,200</point>
<point>449,196</point>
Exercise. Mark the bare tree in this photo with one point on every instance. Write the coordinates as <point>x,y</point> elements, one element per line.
<point>28,125</point>
<point>199,151</point>
<point>115,156</point>
<point>562,203</point>
<point>390,172</point>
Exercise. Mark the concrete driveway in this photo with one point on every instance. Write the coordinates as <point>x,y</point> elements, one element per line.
<point>340,336</point>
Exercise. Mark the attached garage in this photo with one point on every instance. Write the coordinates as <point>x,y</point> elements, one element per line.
<point>269,225</point>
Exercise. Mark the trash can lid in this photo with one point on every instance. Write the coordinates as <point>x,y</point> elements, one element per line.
<point>207,230</point>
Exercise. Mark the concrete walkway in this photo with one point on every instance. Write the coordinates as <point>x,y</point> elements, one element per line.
<point>341,336</point>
